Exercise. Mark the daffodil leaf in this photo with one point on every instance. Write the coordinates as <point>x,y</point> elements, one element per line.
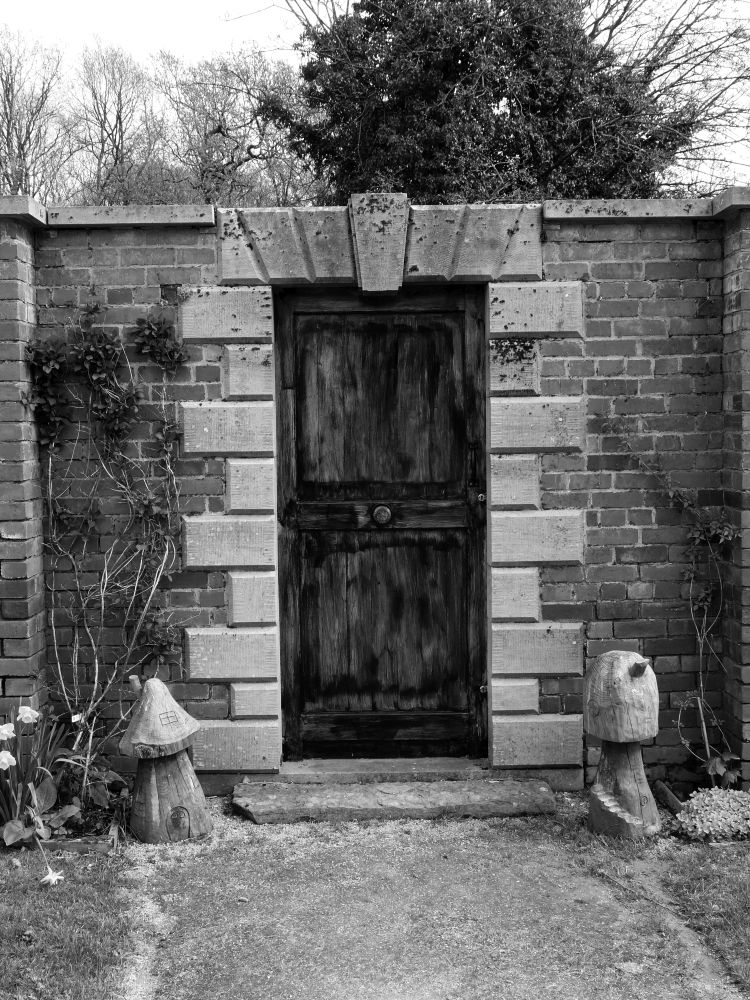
<point>14,830</point>
<point>46,794</point>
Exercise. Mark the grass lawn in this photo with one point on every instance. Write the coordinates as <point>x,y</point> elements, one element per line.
<point>74,940</point>
<point>60,942</point>
<point>712,887</point>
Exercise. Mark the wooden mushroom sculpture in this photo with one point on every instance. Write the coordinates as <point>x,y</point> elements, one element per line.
<point>621,707</point>
<point>168,802</point>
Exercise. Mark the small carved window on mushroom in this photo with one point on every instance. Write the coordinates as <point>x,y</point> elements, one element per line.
<point>168,718</point>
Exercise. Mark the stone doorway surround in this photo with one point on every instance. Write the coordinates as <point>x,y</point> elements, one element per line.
<point>377,244</point>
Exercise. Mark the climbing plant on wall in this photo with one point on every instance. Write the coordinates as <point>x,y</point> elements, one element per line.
<point>111,522</point>
<point>709,537</point>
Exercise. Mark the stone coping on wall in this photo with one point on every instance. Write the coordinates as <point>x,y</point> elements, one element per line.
<point>30,211</point>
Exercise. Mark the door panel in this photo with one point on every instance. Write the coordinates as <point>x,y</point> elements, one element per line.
<point>380,405</point>
<point>382,540</point>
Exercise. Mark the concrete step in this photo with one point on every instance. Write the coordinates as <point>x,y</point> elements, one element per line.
<point>363,770</point>
<point>293,802</point>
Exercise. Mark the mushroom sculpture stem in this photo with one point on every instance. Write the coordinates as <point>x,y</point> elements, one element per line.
<point>621,707</point>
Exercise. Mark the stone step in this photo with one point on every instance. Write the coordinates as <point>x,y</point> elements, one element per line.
<point>288,802</point>
<point>365,770</point>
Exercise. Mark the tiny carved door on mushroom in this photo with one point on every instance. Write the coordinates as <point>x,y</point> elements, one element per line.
<point>381,477</point>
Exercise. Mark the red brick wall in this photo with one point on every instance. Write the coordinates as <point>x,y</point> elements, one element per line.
<point>736,362</point>
<point>651,360</point>
<point>21,579</point>
<point>131,272</point>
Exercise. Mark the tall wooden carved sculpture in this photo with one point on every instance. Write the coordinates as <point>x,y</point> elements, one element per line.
<point>168,802</point>
<point>621,707</point>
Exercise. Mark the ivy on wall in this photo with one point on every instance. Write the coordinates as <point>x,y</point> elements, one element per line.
<point>111,512</point>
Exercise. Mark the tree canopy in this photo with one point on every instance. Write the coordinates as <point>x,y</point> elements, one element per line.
<point>490,100</point>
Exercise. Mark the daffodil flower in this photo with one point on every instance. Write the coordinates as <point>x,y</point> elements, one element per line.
<point>7,760</point>
<point>7,731</point>
<point>27,714</point>
<point>52,878</point>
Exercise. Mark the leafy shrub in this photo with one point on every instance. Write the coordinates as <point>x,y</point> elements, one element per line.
<point>715,814</point>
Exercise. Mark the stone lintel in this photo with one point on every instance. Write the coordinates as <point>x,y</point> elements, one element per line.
<point>305,246</point>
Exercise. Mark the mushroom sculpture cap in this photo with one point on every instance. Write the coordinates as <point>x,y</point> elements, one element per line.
<point>621,698</point>
<point>159,726</point>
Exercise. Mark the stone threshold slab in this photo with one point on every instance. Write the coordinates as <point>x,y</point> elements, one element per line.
<point>277,802</point>
<point>367,770</point>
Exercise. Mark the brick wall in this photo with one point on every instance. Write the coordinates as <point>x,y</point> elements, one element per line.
<point>650,363</point>
<point>736,462</point>
<point>132,272</point>
<point>21,578</point>
<point>653,361</point>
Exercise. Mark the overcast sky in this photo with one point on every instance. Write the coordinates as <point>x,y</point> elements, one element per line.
<point>189,28</point>
<point>196,30</point>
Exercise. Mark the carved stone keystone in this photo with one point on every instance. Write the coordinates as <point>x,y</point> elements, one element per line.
<point>621,707</point>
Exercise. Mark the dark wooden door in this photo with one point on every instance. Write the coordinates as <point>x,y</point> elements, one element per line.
<point>381,482</point>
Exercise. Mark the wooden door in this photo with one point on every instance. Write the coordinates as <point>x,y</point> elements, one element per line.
<point>381,483</point>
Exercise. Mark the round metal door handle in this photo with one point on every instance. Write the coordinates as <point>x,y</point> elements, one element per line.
<point>381,514</point>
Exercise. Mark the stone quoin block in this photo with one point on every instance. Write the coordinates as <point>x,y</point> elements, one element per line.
<point>247,372</point>
<point>229,654</point>
<point>228,428</point>
<point>547,424</point>
<point>251,486</point>
<point>514,481</point>
<point>522,538</point>
<point>514,368</point>
<point>242,745</point>
<point>515,694</point>
<point>538,741</point>
<point>214,314</point>
<point>251,598</point>
<point>223,541</point>
<point>515,595</point>
<point>259,700</point>
<point>547,649</point>
<point>530,309</point>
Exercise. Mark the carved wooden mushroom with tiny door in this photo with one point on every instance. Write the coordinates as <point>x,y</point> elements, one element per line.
<point>168,802</point>
<point>621,707</point>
